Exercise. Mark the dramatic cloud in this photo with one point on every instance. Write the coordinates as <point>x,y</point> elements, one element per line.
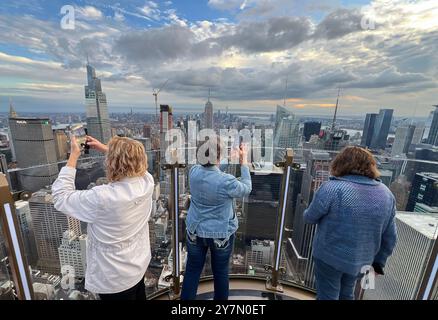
<point>156,45</point>
<point>275,34</point>
<point>339,23</point>
<point>244,58</point>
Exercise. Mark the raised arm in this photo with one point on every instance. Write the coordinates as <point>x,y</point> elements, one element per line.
<point>82,205</point>
<point>239,188</point>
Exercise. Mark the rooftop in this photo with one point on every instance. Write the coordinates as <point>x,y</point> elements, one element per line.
<point>424,223</point>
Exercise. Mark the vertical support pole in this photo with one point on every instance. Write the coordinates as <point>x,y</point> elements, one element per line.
<point>14,243</point>
<point>174,215</point>
<point>430,277</point>
<point>287,164</point>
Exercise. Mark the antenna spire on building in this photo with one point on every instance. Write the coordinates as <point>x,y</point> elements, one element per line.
<point>209,94</point>
<point>12,112</point>
<point>336,111</point>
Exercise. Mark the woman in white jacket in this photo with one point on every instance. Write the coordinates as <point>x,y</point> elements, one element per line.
<point>118,248</point>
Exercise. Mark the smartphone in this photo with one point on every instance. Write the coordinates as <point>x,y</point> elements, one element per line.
<point>79,132</point>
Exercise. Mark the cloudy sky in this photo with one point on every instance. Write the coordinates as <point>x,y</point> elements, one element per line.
<point>382,53</point>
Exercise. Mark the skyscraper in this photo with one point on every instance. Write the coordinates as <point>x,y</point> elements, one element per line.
<point>262,254</point>
<point>61,143</point>
<point>98,123</point>
<point>72,252</point>
<point>208,113</point>
<point>261,206</point>
<point>400,188</point>
<point>368,129</point>
<point>49,226</point>
<point>433,132</point>
<point>147,131</point>
<point>22,211</point>
<point>166,119</point>
<point>403,139</point>
<point>417,138</point>
<point>424,190</point>
<point>317,172</point>
<point>381,129</point>
<point>34,145</point>
<point>286,132</point>
<point>416,234</point>
<point>311,128</point>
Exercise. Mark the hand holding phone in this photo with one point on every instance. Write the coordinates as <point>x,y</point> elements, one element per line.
<point>95,144</point>
<point>75,149</point>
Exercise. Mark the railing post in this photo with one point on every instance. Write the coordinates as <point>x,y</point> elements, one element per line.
<point>287,165</point>
<point>430,277</point>
<point>174,213</point>
<point>14,243</point>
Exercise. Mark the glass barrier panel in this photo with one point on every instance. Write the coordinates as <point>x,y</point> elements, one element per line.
<point>415,187</point>
<point>7,291</point>
<point>55,245</point>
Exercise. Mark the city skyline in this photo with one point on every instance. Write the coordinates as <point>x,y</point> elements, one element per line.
<point>243,50</point>
<point>263,76</point>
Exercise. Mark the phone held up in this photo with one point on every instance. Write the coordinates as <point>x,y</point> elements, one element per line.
<point>80,133</point>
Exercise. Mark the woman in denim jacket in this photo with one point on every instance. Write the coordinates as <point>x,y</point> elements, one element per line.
<point>211,220</point>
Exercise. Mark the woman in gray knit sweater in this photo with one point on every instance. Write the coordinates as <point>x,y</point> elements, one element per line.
<point>356,231</point>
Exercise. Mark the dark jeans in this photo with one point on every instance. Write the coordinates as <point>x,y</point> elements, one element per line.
<point>137,292</point>
<point>220,260</point>
<point>332,284</point>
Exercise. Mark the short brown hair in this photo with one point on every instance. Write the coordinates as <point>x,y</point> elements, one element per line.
<point>213,145</point>
<point>355,160</point>
<point>126,158</point>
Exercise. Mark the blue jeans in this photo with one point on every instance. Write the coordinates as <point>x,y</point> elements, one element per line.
<point>220,260</point>
<point>332,284</point>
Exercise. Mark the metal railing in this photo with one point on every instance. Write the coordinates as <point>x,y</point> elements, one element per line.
<point>174,216</point>
<point>23,281</point>
<point>14,243</point>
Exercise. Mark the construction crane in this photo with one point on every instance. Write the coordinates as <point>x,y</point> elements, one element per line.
<point>155,94</point>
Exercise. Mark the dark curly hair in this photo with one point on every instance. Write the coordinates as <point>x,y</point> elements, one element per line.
<point>355,160</point>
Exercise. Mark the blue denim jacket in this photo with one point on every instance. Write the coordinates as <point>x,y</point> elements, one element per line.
<point>211,213</point>
<point>355,217</point>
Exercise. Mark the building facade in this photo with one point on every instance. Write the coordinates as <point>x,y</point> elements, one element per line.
<point>403,139</point>
<point>433,132</point>
<point>416,234</point>
<point>98,123</point>
<point>368,129</point>
<point>35,151</point>
<point>381,129</point>
<point>424,190</point>
<point>72,253</point>
<point>311,128</point>
<point>49,226</point>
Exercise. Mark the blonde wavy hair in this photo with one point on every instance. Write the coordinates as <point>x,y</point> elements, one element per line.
<point>126,158</point>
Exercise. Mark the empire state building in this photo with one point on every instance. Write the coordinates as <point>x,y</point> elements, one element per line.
<point>208,113</point>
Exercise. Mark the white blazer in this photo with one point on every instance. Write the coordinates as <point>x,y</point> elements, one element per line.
<point>118,247</point>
